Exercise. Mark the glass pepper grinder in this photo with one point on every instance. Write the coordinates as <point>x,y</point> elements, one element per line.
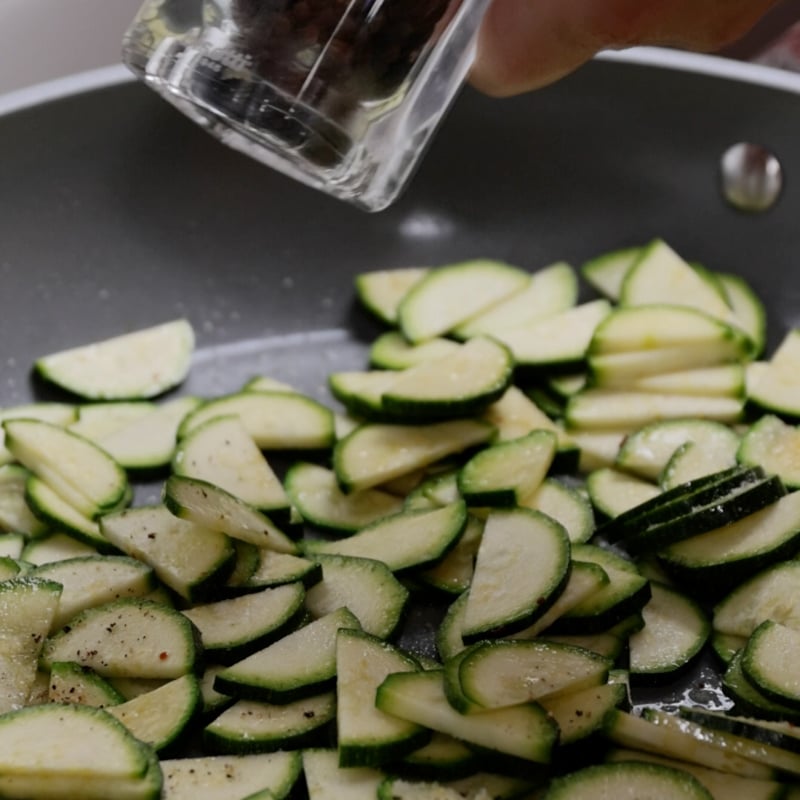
<point>343,95</point>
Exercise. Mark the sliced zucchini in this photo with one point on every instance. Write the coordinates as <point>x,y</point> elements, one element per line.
<point>675,741</point>
<point>57,514</point>
<point>694,460</point>
<point>772,593</point>
<point>159,718</point>
<point>148,442</point>
<point>741,502</point>
<point>525,553</point>
<point>582,713</point>
<point>726,645</point>
<point>80,472</point>
<point>747,308</point>
<point>750,700</point>
<point>566,505</point>
<point>274,569</point>
<point>773,758</point>
<point>315,492</point>
<point>626,593</point>
<point>631,778</point>
<point>276,420</point>
<point>720,784</point>
<point>725,380</point>
<point>506,473</point>
<point>716,560</point>
<point>54,752</point>
<point>252,727</point>
<point>189,559</point>
<point>141,364</point>
<point>453,573</point>
<point>367,736</point>
<point>458,384</point>
<point>660,275</point>
<point>233,629</point>
<point>769,662</point>
<point>365,586</point>
<point>127,638</point>
<point>256,777</point>
<point>603,409</point>
<point>95,580</point>
<point>54,547</point>
<point>560,341</point>
<point>15,513</point>
<point>212,507</point>
<point>9,567</point>
<point>407,539</point>
<point>675,631</point>
<point>300,664</point>
<point>221,452</point>
<point>614,492</point>
<point>549,291</point>
<point>597,449</point>
<point>442,758</point>
<point>773,445</point>
<point>376,453</point>
<point>326,780</point>
<point>391,351</point>
<point>62,414</point>
<point>498,674</point>
<point>97,420</point>
<point>29,605</point>
<point>773,386</point>
<point>647,451</point>
<point>72,683</point>
<point>524,731</point>
<point>381,291</point>
<point>449,296</point>
<point>606,273</point>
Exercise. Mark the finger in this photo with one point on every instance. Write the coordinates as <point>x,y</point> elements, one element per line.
<point>525,44</point>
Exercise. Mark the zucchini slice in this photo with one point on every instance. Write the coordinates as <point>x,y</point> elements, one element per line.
<point>71,683</point>
<point>54,752</point>
<point>498,674</point>
<point>769,662</point>
<point>392,351</point>
<point>252,727</point>
<point>212,507</point>
<point>747,308</point>
<point>458,384</point>
<point>159,718</point>
<point>35,603</point>
<point>376,453</point>
<point>582,713</point>
<point>525,731</point>
<point>773,387</point>
<point>233,629</point>
<point>773,445</point>
<point>80,472</point>
<point>221,452</point>
<point>528,555</point>
<point>404,540</point>
<point>95,580</point>
<point>365,586</point>
<point>750,700</point>
<point>326,780</point>
<point>15,513</point>
<point>453,573</point>
<point>315,493</point>
<point>675,631</point>
<point>127,638</point>
<point>631,778</point>
<point>367,736</point>
<point>186,557</point>
<point>54,547</point>
<point>300,664</point>
<point>141,364</point>
<point>449,296</point>
<point>614,492</point>
<point>61,414</point>
<point>550,290</point>
<point>566,505</point>
<point>276,420</point>
<point>98,420</point>
<point>382,291</point>
<point>256,777</point>
<point>505,474</point>
<point>606,272</point>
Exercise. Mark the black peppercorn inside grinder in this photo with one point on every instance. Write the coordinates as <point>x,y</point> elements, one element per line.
<point>343,95</point>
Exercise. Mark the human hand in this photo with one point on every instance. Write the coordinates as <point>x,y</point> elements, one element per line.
<point>526,44</point>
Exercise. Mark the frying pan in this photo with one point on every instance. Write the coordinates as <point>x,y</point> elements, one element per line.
<point>117,213</point>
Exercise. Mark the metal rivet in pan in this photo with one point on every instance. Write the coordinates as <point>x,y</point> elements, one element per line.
<point>752,177</point>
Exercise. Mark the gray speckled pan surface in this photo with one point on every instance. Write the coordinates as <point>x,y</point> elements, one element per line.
<point>116,213</point>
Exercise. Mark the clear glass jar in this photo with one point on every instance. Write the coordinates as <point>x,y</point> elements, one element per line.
<point>343,95</point>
